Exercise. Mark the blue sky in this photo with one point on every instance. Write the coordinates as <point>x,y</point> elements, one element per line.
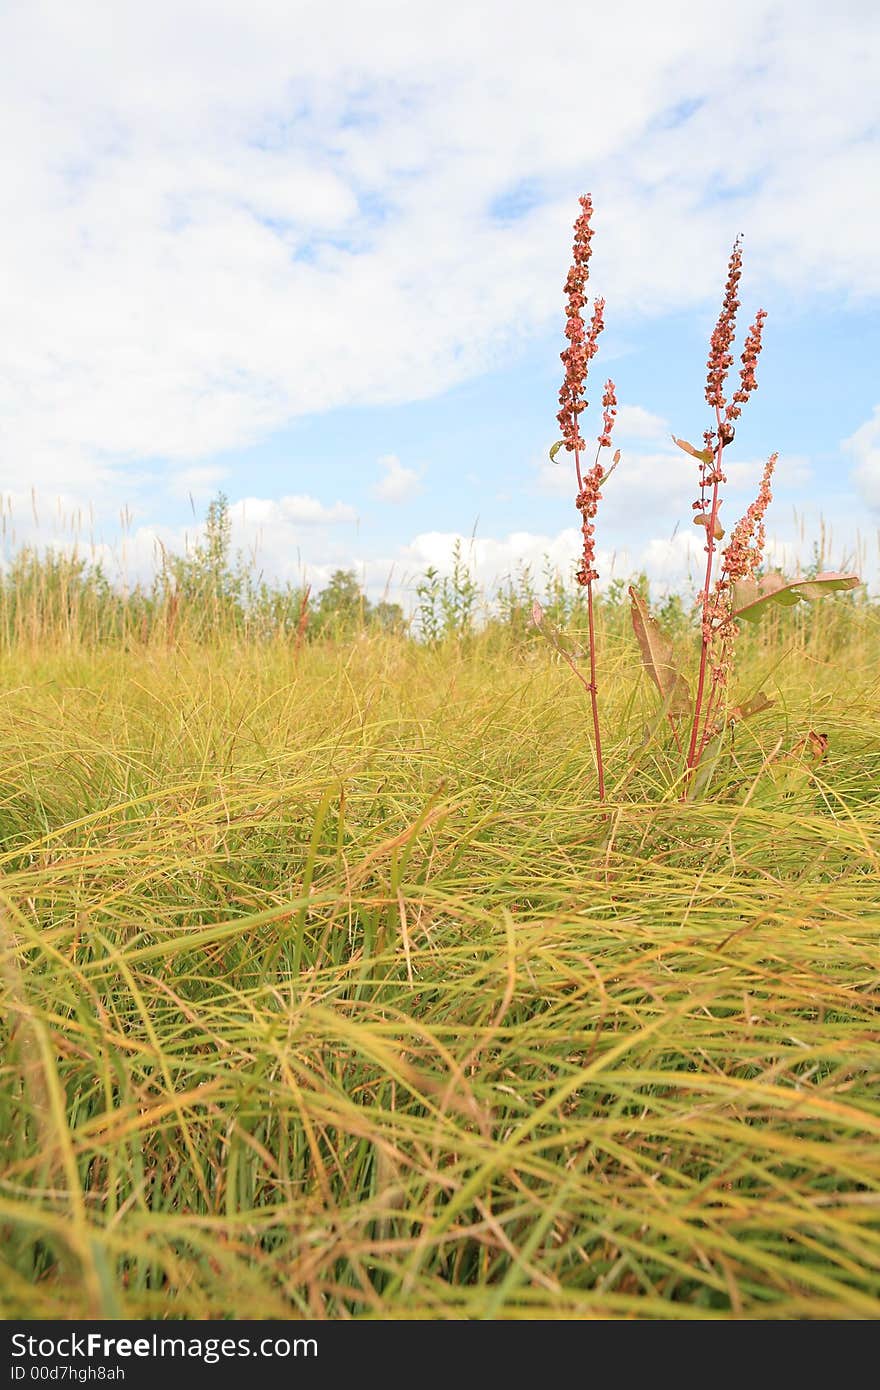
<point>320,267</point>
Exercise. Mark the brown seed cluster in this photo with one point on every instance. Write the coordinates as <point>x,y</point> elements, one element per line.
<point>582,345</point>
<point>720,356</point>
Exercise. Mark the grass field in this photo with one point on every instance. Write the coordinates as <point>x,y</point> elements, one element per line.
<point>330,992</point>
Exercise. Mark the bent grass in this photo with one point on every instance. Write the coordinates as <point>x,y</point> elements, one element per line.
<point>326,996</point>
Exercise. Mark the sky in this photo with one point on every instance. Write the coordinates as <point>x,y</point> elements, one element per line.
<point>313,256</point>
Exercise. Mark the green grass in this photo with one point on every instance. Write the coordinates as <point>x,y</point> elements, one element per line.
<point>329,991</point>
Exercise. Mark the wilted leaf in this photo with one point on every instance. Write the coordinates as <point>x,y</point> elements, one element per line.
<point>657,655</point>
<point>825,584</point>
<point>771,581</point>
<point>704,455</point>
<point>555,450</point>
<point>703,520</point>
<point>756,705</point>
<point>791,774</point>
<point>812,748</point>
<point>750,599</point>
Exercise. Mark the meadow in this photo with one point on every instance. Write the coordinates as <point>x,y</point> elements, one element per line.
<point>330,990</point>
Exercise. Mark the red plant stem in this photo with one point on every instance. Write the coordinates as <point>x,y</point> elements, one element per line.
<point>704,650</point>
<point>599,765</point>
<point>591,687</point>
<point>580,675</point>
<point>713,704</point>
<point>692,757</point>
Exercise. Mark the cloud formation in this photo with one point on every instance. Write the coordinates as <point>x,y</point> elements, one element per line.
<point>864,446</point>
<point>634,422</point>
<point>397,483</point>
<point>214,221</point>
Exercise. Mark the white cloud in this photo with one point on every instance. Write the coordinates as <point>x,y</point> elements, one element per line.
<point>397,484</point>
<point>640,484</point>
<point>295,539</point>
<point>680,562</point>
<point>783,553</point>
<point>864,446</point>
<point>673,563</point>
<point>492,559</point>
<point>557,475</point>
<point>199,483</point>
<point>634,422</point>
<point>791,470</point>
<point>676,562</point>
<point>211,225</point>
<point>296,510</point>
<point>285,538</point>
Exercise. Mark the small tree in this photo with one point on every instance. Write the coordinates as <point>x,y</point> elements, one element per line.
<point>342,607</point>
<point>204,583</point>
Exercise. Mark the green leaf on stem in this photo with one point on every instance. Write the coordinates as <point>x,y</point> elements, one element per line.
<point>555,449</point>
<point>751,598</point>
<point>657,657</point>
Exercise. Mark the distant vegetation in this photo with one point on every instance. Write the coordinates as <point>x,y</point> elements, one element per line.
<point>208,594</point>
<point>212,595</point>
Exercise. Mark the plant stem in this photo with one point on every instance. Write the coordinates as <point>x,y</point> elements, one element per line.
<point>713,705</point>
<point>693,755</point>
<point>599,765</point>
